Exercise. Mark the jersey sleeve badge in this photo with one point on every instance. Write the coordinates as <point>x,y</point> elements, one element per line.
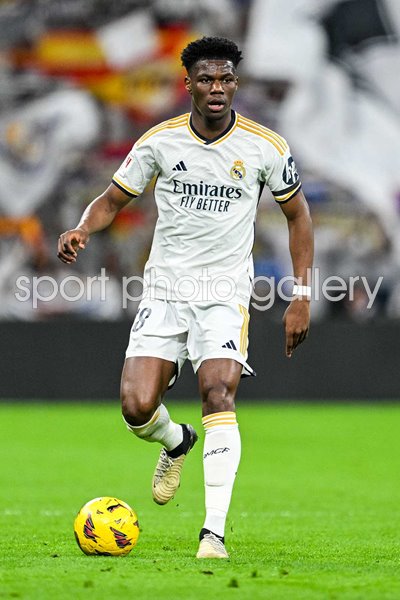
<point>290,174</point>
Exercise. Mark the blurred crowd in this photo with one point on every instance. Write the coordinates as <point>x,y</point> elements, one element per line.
<point>81,80</point>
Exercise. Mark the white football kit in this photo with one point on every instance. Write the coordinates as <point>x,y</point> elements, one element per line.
<point>207,193</point>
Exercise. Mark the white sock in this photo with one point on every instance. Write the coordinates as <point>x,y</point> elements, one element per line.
<point>221,460</point>
<point>160,429</point>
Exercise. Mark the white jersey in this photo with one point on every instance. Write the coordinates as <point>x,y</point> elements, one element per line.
<point>207,194</point>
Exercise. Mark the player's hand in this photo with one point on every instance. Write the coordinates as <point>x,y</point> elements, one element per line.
<point>69,243</point>
<point>296,321</point>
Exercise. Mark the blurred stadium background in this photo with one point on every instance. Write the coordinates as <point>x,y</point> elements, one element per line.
<point>81,80</point>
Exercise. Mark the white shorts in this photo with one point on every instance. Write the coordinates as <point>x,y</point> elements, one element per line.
<point>176,331</point>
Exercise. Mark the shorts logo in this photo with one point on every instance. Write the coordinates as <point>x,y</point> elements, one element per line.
<point>238,171</point>
<point>290,174</point>
<point>230,345</point>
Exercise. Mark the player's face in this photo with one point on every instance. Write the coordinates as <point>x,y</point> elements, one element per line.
<point>212,84</point>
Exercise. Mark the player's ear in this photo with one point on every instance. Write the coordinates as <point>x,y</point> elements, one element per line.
<point>188,84</point>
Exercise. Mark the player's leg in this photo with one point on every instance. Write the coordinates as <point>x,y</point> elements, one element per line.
<point>217,347</point>
<point>143,384</point>
<point>155,353</point>
<point>218,381</point>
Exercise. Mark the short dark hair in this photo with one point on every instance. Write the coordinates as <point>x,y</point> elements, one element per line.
<point>209,48</point>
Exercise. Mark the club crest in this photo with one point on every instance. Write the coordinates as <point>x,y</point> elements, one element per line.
<point>238,171</point>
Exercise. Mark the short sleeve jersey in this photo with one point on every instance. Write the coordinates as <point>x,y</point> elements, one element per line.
<point>207,193</point>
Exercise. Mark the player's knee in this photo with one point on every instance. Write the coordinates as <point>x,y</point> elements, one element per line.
<point>218,396</point>
<point>137,408</point>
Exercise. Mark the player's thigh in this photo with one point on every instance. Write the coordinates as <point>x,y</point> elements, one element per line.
<point>144,381</point>
<point>218,382</point>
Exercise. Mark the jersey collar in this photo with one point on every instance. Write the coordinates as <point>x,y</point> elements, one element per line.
<point>207,142</point>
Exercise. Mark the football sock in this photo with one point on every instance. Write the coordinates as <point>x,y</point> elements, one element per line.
<point>221,460</point>
<point>160,429</point>
<point>183,447</point>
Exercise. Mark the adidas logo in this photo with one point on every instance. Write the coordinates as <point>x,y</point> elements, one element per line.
<point>180,166</point>
<point>230,345</point>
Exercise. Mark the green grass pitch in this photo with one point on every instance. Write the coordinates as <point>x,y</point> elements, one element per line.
<point>314,513</point>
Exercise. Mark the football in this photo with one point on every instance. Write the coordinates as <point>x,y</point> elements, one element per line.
<point>106,526</point>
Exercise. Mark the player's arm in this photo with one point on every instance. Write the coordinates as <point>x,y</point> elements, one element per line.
<point>97,216</point>
<point>301,244</point>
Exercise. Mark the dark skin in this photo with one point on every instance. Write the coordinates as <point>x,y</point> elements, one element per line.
<point>212,85</point>
<point>211,82</point>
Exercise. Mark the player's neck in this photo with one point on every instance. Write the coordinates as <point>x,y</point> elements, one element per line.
<point>210,129</point>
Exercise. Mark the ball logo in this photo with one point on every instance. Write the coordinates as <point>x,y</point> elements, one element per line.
<point>121,539</point>
<point>238,171</point>
<point>290,174</point>
<point>114,507</point>
<point>88,529</point>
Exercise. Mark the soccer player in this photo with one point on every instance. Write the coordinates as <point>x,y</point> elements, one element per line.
<point>210,167</point>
